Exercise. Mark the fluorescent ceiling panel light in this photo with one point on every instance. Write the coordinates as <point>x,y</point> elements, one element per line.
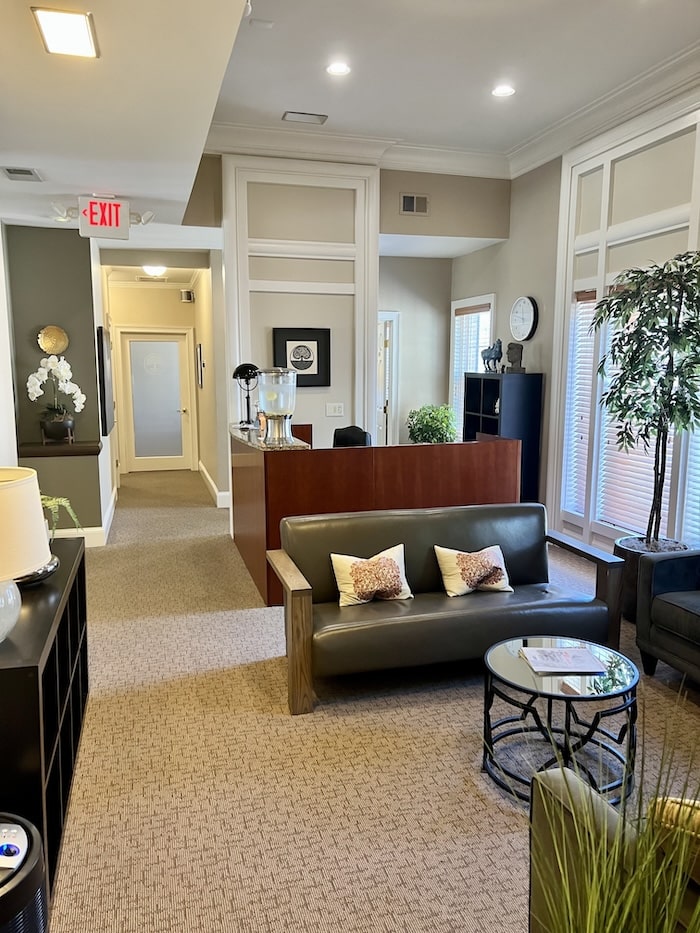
<point>503,90</point>
<point>338,68</point>
<point>294,116</point>
<point>154,270</point>
<point>66,33</point>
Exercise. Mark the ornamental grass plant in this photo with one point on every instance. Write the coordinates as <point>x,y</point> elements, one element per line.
<point>598,870</point>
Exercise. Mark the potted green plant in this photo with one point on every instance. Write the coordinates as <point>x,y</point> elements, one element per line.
<point>595,868</point>
<point>431,424</point>
<point>57,421</point>
<point>653,391</point>
<point>52,505</point>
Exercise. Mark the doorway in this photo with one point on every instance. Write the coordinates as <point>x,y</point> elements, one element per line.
<point>387,413</point>
<point>156,398</point>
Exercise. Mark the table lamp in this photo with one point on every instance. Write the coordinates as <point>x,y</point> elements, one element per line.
<point>24,543</point>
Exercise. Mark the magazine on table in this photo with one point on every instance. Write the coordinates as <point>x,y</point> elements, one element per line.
<point>562,661</point>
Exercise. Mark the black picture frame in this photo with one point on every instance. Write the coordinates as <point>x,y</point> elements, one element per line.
<point>104,373</point>
<point>307,350</point>
<point>199,364</point>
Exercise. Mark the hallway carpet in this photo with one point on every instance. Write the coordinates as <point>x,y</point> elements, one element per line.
<point>200,804</point>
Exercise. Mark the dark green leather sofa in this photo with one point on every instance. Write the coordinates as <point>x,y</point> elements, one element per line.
<point>668,611</point>
<point>323,639</point>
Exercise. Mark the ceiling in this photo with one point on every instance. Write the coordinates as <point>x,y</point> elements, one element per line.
<point>174,80</point>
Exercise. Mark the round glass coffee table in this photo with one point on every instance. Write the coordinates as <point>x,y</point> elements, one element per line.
<point>586,722</point>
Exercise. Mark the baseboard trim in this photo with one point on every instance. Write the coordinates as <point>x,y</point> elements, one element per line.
<point>222,499</point>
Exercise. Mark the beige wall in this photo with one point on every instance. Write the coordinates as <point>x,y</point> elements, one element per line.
<point>459,205</point>
<point>419,289</point>
<point>301,212</point>
<point>132,306</point>
<point>524,265</point>
<point>270,310</point>
<point>206,395</point>
<point>204,206</point>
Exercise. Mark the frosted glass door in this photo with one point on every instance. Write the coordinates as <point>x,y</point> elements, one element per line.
<point>155,391</point>
<point>158,401</point>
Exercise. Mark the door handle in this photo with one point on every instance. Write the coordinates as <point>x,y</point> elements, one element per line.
<point>182,411</point>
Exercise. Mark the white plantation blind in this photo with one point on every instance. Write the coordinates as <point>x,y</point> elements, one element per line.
<point>579,392</point>
<point>625,485</point>
<point>472,332</point>
<point>691,504</point>
<point>626,478</point>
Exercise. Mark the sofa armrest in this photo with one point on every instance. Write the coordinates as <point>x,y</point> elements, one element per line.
<point>608,578</point>
<point>298,631</point>
<point>570,826</point>
<point>669,572</point>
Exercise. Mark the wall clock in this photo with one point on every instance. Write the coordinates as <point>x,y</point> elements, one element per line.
<point>523,318</point>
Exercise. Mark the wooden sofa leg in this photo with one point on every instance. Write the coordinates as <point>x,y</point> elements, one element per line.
<point>649,663</point>
<point>298,624</point>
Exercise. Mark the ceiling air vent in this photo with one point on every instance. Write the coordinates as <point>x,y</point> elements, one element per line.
<point>414,204</point>
<point>151,278</point>
<point>21,174</point>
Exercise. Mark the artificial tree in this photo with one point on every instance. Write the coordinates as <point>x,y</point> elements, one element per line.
<point>653,362</point>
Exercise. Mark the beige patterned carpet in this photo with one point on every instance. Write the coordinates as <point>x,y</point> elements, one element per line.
<point>199,804</point>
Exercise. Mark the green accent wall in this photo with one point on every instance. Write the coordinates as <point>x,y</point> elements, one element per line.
<point>50,283</point>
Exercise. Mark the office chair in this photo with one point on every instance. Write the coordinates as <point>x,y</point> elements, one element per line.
<point>352,436</point>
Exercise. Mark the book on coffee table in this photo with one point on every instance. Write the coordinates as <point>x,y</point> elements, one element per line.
<point>562,661</point>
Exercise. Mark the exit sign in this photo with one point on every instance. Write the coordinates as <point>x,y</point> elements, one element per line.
<point>105,217</point>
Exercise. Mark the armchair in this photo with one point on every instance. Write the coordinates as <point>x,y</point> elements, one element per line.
<point>668,611</point>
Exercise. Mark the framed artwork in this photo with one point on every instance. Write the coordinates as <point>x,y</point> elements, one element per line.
<point>306,350</point>
<point>199,363</point>
<point>104,372</point>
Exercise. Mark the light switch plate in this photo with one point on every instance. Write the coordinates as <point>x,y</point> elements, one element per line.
<point>335,409</point>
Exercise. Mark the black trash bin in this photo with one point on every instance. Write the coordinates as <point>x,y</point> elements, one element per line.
<point>23,906</point>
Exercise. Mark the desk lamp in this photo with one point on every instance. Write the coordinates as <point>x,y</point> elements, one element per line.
<point>246,375</point>
<point>24,543</point>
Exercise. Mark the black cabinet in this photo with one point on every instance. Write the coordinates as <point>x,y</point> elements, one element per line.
<point>43,692</point>
<point>508,405</point>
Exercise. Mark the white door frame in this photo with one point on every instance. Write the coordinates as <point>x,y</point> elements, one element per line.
<point>121,375</point>
<point>393,422</point>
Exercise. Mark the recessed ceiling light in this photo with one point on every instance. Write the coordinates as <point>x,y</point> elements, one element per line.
<point>338,68</point>
<point>503,90</point>
<point>65,33</point>
<point>296,116</point>
<point>154,270</point>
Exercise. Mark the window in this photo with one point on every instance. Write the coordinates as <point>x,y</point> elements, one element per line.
<point>471,333</point>
<point>626,204</point>
<point>580,397</point>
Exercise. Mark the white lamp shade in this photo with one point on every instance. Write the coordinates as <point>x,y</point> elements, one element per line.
<point>24,545</point>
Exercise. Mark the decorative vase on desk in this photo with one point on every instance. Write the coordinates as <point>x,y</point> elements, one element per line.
<point>277,389</point>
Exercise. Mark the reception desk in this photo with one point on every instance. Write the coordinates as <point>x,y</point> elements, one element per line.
<point>269,484</point>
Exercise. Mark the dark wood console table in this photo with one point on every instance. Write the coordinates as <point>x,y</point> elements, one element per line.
<point>43,692</point>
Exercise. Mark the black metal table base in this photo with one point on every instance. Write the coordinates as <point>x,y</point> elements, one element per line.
<point>573,741</point>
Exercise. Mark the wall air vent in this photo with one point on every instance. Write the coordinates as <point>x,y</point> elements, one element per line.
<point>414,204</point>
<point>186,294</point>
<point>151,278</point>
<point>21,174</point>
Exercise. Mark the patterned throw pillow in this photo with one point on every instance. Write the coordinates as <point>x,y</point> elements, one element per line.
<point>463,572</point>
<point>362,579</point>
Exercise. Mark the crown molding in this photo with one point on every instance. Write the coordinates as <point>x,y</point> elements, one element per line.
<point>678,78</point>
<point>294,144</point>
<point>445,161</point>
